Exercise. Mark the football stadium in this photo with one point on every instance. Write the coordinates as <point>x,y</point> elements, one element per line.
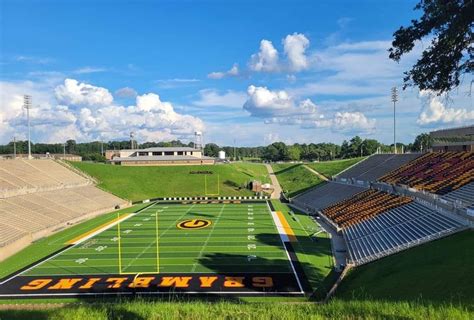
<point>287,187</point>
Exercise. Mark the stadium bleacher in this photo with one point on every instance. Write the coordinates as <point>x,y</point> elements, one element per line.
<point>363,206</point>
<point>27,176</point>
<point>465,194</point>
<point>39,196</point>
<point>435,172</point>
<point>376,166</point>
<point>326,194</point>
<point>395,230</point>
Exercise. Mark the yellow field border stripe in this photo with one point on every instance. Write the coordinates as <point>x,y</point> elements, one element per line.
<point>102,226</point>
<point>286,227</point>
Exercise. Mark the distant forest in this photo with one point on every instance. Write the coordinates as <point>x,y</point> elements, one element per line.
<point>277,151</point>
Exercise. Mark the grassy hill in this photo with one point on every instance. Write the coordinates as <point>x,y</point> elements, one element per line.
<point>294,178</point>
<point>189,309</point>
<point>331,168</point>
<point>440,272</point>
<point>138,183</point>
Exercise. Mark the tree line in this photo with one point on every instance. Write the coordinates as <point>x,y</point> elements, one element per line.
<point>277,151</point>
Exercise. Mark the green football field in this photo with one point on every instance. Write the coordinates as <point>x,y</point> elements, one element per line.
<point>239,238</point>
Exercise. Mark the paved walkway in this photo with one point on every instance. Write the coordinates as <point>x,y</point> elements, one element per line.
<point>276,185</point>
<point>316,173</point>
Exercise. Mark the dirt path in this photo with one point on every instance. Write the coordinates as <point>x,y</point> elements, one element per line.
<point>276,185</point>
<point>316,173</point>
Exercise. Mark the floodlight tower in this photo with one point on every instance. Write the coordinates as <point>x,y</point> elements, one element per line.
<point>394,100</point>
<point>132,142</point>
<point>27,103</point>
<point>198,140</point>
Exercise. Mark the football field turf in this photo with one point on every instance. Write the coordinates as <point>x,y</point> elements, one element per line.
<point>225,239</point>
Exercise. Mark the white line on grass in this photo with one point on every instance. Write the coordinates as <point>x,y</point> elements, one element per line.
<point>208,237</point>
<point>159,237</point>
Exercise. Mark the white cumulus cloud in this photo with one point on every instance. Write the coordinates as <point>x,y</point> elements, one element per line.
<point>266,60</point>
<point>232,72</point>
<point>295,46</point>
<point>435,112</point>
<point>76,93</point>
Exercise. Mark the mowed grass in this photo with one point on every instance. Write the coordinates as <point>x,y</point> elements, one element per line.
<point>440,272</point>
<point>331,168</point>
<point>294,178</point>
<point>139,183</point>
<point>223,246</point>
<point>46,246</point>
<point>191,309</point>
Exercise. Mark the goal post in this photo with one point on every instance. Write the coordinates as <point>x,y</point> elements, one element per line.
<point>120,245</point>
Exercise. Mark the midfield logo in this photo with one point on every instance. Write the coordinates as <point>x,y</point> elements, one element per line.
<point>194,224</point>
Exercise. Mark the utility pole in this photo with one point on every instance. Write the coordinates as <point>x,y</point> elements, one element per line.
<point>394,100</point>
<point>64,151</point>
<point>27,103</point>
<point>14,147</point>
<point>234,151</point>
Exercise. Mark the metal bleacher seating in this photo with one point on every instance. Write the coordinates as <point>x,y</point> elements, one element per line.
<point>465,195</point>
<point>376,166</point>
<point>435,172</point>
<point>396,230</point>
<point>326,195</point>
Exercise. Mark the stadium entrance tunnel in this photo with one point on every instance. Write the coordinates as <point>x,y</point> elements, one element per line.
<point>241,284</point>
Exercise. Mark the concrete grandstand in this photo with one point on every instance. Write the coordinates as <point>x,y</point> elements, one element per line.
<point>39,197</point>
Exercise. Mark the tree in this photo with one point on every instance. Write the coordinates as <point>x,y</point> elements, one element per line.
<point>294,153</point>
<point>422,142</point>
<point>450,54</point>
<point>211,150</point>
<point>71,146</point>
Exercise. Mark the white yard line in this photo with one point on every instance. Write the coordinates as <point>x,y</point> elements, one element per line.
<point>159,237</point>
<point>61,252</point>
<point>208,237</point>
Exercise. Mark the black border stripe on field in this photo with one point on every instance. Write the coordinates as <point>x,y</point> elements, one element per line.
<point>51,255</point>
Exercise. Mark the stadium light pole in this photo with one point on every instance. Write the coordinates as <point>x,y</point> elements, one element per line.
<point>14,147</point>
<point>394,100</point>
<point>27,103</point>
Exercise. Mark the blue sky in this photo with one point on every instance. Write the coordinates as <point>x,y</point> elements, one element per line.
<point>255,71</point>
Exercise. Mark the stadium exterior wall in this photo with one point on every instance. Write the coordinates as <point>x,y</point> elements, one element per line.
<point>167,163</point>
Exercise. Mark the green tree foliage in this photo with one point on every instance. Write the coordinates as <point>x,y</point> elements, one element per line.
<point>211,150</point>
<point>422,142</point>
<point>449,24</point>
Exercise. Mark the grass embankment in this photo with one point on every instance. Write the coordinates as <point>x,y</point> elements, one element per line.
<point>46,246</point>
<point>139,183</point>
<point>331,168</point>
<point>294,178</point>
<point>142,309</point>
<point>440,272</point>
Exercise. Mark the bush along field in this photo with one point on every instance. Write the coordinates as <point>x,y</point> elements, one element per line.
<point>139,183</point>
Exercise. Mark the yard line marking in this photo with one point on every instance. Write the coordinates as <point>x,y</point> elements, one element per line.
<point>154,241</point>
<point>57,254</point>
<point>208,237</point>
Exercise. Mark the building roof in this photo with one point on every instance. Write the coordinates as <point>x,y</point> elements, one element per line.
<point>159,158</point>
<point>169,149</point>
